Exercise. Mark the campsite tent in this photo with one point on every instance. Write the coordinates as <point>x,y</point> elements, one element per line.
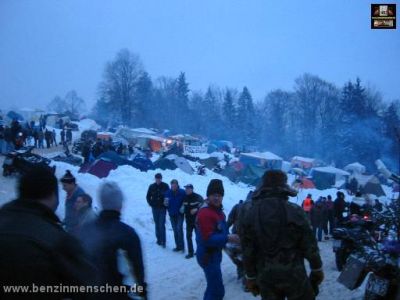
<point>12,115</point>
<point>302,162</point>
<point>366,184</point>
<point>100,168</point>
<point>251,175</point>
<point>149,142</point>
<point>355,168</point>
<point>172,162</point>
<point>326,177</point>
<point>373,187</point>
<point>210,162</point>
<point>266,160</point>
<point>139,162</point>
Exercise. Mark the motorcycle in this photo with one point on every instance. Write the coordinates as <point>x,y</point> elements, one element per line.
<point>352,237</point>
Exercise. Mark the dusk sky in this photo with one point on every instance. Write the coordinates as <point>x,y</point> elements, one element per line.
<point>48,47</point>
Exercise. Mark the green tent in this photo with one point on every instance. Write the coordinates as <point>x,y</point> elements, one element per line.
<point>252,175</point>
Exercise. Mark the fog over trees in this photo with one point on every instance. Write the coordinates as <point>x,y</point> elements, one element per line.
<point>337,124</point>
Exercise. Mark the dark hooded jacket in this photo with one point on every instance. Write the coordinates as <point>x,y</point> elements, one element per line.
<point>276,230</point>
<point>34,249</point>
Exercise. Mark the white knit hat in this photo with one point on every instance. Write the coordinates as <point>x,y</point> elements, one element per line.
<point>111,196</point>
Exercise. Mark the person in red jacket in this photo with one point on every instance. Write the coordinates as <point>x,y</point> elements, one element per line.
<point>211,237</point>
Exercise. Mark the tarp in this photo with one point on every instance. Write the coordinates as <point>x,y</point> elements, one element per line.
<point>184,165</point>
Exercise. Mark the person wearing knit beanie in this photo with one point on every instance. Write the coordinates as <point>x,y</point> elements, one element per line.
<point>111,196</point>
<point>212,235</point>
<point>73,191</point>
<point>215,187</point>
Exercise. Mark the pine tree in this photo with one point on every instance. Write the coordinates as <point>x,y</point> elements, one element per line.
<point>229,114</point>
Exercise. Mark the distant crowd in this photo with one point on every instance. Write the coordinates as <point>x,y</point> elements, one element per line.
<point>18,135</point>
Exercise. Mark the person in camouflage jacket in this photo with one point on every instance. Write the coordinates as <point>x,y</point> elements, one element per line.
<point>276,237</point>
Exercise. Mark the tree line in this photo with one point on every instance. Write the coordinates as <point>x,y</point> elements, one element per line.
<point>318,119</point>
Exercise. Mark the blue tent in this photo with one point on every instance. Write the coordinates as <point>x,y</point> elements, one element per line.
<point>14,116</point>
<point>140,162</point>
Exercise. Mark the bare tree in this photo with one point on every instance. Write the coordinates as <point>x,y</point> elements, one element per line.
<point>119,84</point>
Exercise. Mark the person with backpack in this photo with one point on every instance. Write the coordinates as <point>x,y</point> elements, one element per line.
<point>339,206</point>
<point>276,238</point>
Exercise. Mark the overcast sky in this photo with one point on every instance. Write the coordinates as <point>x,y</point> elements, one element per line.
<point>48,47</point>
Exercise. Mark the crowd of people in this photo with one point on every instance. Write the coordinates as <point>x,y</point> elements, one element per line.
<point>83,250</point>
<point>20,134</point>
<point>325,214</point>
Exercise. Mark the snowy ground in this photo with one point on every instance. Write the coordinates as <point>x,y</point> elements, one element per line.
<point>169,274</point>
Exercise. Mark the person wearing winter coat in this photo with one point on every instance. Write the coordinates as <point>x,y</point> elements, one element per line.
<point>191,204</point>
<point>83,213</point>
<point>48,136</point>
<point>276,239</point>
<point>319,217</point>
<point>357,205</point>
<point>73,191</point>
<point>331,213</point>
<point>54,137</point>
<point>155,198</point>
<point>339,206</point>
<point>62,135</point>
<point>307,205</point>
<point>68,136</point>
<point>111,242</point>
<point>41,139</point>
<point>173,200</point>
<point>234,216</point>
<point>211,237</point>
<point>34,248</point>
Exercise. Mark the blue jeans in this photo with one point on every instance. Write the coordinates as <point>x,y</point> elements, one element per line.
<point>159,214</point>
<point>177,227</point>
<point>215,287</point>
<point>318,232</point>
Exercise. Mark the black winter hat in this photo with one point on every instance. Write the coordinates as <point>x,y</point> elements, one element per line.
<point>215,187</point>
<point>68,178</point>
<point>38,183</point>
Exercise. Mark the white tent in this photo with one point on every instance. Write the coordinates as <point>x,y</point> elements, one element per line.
<point>355,168</point>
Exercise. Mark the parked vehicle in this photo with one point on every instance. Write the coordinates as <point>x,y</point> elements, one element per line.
<point>20,161</point>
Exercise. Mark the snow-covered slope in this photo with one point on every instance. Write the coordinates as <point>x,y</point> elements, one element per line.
<point>169,274</point>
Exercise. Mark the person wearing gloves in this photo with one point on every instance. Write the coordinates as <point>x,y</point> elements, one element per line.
<point>211,237</point>
<point>276,237</point>
<point>173,200</point>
